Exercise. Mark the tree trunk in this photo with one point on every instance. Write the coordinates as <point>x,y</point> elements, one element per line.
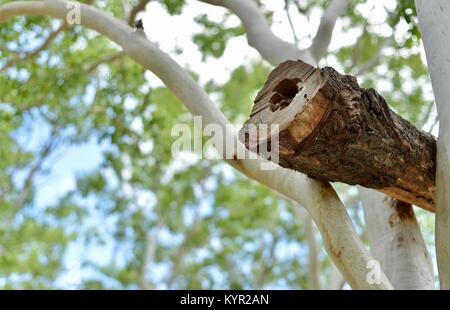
<point>435,29</point>
<point>334,130</point>
<point>396,241</point>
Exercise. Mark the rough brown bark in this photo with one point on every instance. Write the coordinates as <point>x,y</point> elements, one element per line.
<point>332,129</point>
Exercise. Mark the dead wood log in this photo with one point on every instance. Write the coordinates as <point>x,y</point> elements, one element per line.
<point>332,129</point>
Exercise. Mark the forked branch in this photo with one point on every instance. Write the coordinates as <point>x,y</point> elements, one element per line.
<point>341,240</point>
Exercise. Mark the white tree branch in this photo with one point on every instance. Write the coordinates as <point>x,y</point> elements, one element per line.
<point>317,51</point>
<point>259,34</point>
<point>341,240</point>
<point>253,20</point>
<point>322,39</point>
<point>291,24</point>
<point>313,255</point>
<point>435,29</point>
<point>396,242</point>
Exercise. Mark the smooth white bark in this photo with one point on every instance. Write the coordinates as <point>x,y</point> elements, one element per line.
<point>340,238</point>
<point>272,48</point>
<point>313,255</point>
<point>252,18</point>
<point>397,243</point>
<point>435,28</point>
<point>259,34</point>
<point>321,42</point>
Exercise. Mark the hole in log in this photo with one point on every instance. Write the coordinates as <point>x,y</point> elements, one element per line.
<point>338,131</point>
<point>284,92</point>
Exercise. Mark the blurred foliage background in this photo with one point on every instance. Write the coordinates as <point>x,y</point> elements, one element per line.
<point>139,218</point>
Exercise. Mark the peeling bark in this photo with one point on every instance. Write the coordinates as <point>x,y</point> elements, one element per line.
<point>333,130</point>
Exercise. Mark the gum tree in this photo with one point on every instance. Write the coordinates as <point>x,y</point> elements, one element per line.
<point>74,81</point>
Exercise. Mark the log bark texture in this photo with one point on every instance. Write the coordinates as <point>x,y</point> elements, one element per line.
<point>332,129</point>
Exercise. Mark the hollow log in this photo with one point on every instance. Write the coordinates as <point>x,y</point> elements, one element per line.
<point>332,129</point>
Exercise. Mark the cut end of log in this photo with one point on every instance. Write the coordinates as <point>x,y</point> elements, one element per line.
<point>284,100</point>
<point>332,129</point>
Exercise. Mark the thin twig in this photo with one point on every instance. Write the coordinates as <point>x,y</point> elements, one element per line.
<point>375,59</point>
<point>291,24</point>
<point>106,59</point>
<point>43,155</point>
<point>30,55</point>
<point>135,11</point>
<point>435,122</point>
